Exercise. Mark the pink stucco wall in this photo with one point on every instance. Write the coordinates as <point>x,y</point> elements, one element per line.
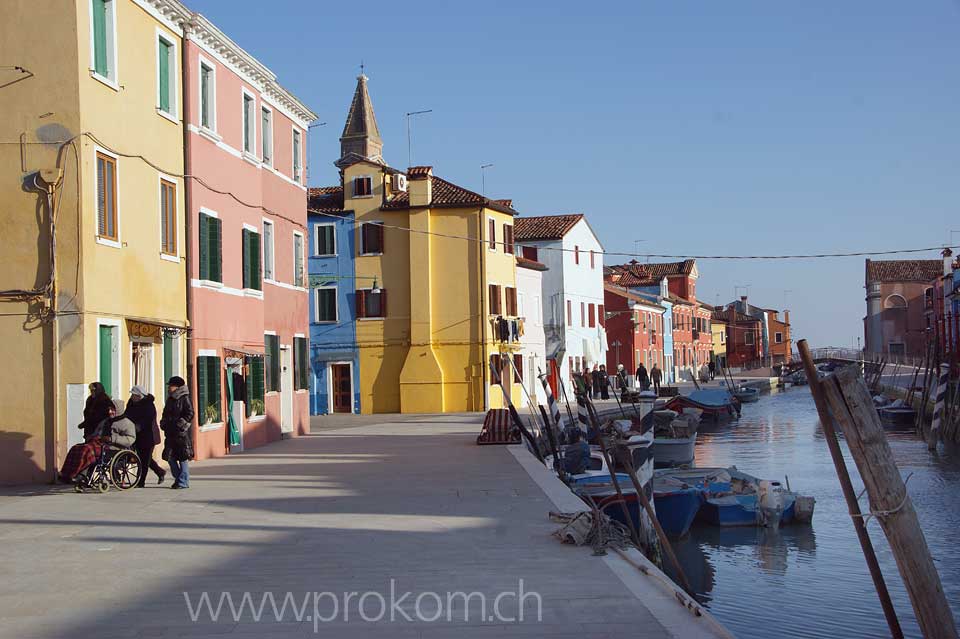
<point>227,317</point>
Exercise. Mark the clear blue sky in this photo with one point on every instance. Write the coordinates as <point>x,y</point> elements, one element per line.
<point>738,127</point>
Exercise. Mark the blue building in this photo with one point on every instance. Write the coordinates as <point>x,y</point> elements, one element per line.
<point>334,356</point>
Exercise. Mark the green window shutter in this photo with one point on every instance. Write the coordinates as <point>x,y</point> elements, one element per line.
<point>255,273</point>
<point>213,386</point>
<point>272,363</point>
<point>106,358</point>
<point>255,385</point>
<point>246,260</point>
<point>305,364</point>
<point>164,72</point>
<point>216,250</point>
<point>202,390</point>
<point>167,357</point>
<point>204,247</point>
<point>100,38</point>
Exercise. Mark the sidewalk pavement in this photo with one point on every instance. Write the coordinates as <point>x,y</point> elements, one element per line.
<point>361,502</point>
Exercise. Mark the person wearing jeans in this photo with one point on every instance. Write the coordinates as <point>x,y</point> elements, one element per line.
<point>177,425</point>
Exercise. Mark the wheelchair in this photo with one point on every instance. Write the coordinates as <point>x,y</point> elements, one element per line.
<point>115,466</point>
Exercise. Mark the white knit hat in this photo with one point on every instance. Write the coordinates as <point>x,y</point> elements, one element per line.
<point>138,390</point>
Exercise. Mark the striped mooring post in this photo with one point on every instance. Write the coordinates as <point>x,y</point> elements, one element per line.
<point>552,404</point>
<point>938,406</point>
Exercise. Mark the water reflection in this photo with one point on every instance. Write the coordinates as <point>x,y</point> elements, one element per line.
<point>814,577</point>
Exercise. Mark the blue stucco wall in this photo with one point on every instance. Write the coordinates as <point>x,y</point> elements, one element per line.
<point>333,342</point>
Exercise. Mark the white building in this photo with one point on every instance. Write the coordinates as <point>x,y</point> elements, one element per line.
<point>533,343</point>
<point>572,291</point>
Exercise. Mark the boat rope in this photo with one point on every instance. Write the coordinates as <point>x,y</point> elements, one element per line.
<point>883,513</point>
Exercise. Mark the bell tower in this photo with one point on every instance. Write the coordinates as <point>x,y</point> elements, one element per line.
<point>361,136</point>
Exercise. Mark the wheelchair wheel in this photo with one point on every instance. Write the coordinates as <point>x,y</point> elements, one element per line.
<point>103,485</point>
<point>125,469</point>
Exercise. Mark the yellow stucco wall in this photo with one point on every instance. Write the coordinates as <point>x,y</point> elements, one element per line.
<point>50,110</point>
<point>718,331</point>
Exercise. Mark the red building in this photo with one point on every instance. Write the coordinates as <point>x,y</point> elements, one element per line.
<point>634,329</point>
<point>744,338</point>
<point>677,283</point>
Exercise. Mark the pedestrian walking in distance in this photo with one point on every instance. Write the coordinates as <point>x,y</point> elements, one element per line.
<point>177,425</point>
<point>142,411</point>
<point>642,378</point>
<point>712,367</point>
<point>604,382</point>
<point>656,375</point>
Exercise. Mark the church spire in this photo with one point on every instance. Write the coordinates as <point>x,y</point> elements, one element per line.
<point>360,133</point>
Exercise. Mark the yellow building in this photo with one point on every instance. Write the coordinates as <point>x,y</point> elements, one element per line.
<point>431,307</point>
<point>718,329</point>
<point>93,284</point>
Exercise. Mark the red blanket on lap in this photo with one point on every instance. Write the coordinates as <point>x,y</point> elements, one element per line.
<point>79,457</point>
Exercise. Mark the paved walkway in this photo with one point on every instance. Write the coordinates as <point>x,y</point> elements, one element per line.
<point>357,504</point>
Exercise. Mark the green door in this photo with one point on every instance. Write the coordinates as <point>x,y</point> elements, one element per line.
<point>106,358</point>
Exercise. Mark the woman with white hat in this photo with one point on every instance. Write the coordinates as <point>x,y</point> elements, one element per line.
<point>142,411</point>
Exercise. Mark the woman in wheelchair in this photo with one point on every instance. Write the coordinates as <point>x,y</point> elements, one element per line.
<point>105,457</point>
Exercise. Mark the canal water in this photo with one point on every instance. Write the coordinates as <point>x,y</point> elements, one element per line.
<point>812,581</point>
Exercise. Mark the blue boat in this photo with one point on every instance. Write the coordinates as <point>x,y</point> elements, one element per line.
<point>676,507</point>
<point>601,491</point>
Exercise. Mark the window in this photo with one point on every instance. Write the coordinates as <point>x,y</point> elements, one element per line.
<point>778,338</point>
<point>266,135</point>
<point>208,118</point>
<point>496,369</point>
<point>518,365</point>
<point>106,197</point>
<point>271,362</point>
<point>531,253</point>
<point>325,300</point>
<point>371,238</point>
<point>363,186</point>
<point>569,313</point>
<point>168,218</point>
<point>299,278</point>
<point>510,301</point>
<point>371,304</point>
<point>249,123</point>
<point>508,239</point>
<point>251,260</point>
<point>211,249</point>
<point>208,390</point>
<point>601,315</point>
<point>296,156</point>
<point>492,234</point>
<point>495,307</point>
<point>723,337</point>
<point>583,314</point>
<point>324,240</point>
<point>255,386</point>
<point>301,363</point>
<point>166,75</point>
<point>576,254</point>
<point>268,259</point>
<point>103,39</point>
<point>748,338</point>
<point>895,348</point>
<point>570,364</point>
<point>591,318</point>
<point>592,262</point>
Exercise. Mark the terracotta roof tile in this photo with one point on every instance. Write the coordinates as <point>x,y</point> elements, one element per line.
<point>534,265</point>
<point>419,172</point>
<point>447,194</point>
<point>325,199</point>
<point>545,227</point>
<point>637,274</point>
<point>903,270</point>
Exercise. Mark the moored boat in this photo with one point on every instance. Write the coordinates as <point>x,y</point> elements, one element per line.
<point>714,403</point>
<point>746,394</point>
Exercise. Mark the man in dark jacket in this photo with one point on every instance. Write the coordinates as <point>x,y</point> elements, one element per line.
<point>642,378</point>
<point>142,411</point>
<point>656,375</point>
<point>177,425</point>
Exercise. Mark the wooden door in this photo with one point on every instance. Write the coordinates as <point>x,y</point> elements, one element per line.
<point>342,388</point>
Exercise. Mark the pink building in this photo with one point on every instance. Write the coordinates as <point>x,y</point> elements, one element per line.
<point>248,303</point>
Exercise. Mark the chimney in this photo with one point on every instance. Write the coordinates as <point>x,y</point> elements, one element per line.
<point>947,261</point>
<point>786,317</point>
<point>420,185</point>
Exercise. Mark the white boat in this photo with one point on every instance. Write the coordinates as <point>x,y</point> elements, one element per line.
<point>673,451</point>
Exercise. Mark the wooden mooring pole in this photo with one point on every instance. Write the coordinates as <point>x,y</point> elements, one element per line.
<point>851,405</point>
<point>853,506</point>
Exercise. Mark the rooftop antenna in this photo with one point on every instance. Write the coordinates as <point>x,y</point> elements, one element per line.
<point>636,249</point>
<point>786,293</point>
<point>409,143</point>
<point>745,287</point>
<point>483,178</point>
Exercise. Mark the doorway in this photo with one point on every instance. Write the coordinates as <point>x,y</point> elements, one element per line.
<point>341,386</point>
<point>286,391</point>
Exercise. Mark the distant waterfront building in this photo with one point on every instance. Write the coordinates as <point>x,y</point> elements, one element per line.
<point>775,339</point>
<point>718,331</point>
<point>573,306</point>
<point>635,330</point>
<point>334,353</point>
<point>897,292</point>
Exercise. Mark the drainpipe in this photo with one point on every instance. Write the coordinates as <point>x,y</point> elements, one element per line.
<point>187,193</point>
<point>51,180</point>
<point>482,249</point>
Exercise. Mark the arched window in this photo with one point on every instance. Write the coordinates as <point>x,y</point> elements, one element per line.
<point>895,301</point>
